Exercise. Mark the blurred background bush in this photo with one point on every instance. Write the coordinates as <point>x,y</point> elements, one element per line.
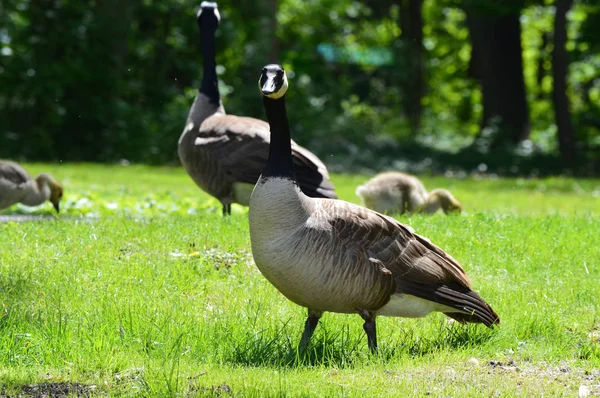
<point>510,87</point>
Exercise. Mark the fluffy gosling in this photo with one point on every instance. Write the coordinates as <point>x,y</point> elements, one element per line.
<point>395,192</point>
<point>17,186</point>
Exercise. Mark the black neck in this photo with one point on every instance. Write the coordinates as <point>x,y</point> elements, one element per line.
<point>210,84</point>
<point>280,162</point>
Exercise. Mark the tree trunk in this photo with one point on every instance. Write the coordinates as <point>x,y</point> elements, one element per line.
<point>540,70</point>
<point>411,48</point>
<point>560,65</point>
<point>272,38</point>
<point>497,63</point>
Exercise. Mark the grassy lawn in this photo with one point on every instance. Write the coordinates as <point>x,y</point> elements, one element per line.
<point>141,288</point>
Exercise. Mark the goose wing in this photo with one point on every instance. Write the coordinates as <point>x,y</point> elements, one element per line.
<point>311,173</point>
<point>407,255</point>
<point>418,267</point>
<point>241,146</point>
<point>13,173</point>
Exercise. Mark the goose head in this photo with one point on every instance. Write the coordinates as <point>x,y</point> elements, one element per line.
<point>208,16</point>
<point>56,190</point>
<point>273,82</point>
<point>444,199</point>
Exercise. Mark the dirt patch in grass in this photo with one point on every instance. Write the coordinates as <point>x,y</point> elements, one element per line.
<point>214,391</point>
<point>586,382</point>
<point>44,390</point>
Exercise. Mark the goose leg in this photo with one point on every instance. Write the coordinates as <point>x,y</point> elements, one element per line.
<point>309,328</point>
<point>370,330</point>
<point>227,209</point>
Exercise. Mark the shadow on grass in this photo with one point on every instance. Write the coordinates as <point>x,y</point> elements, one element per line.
<point>14,286</point>
<point>450,337</point>
<point>341,349</point>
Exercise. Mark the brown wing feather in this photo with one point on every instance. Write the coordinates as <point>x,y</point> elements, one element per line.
<point>13,172</point>
<point>241,146</point>
<point>417,266</point>
<point>407,255</point>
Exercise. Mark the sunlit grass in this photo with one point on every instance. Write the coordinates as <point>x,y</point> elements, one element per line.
<point>157,295</point>
<point>96,190</point>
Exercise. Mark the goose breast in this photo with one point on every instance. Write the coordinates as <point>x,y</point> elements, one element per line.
<point>308,257</point>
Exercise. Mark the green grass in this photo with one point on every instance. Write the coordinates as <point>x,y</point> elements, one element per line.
<point>141,288</point>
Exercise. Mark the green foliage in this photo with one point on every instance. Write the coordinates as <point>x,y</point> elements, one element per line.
<point>84,82</point>
<point>102,81</point>
<point>162,303</point>
<point>453,101</point>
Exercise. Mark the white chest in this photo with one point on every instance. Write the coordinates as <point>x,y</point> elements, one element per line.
<point>242,192</point>
<point>280,251</point>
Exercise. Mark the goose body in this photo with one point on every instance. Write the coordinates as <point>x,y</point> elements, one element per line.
<point>17,186</point>
<point>396,192</point>
<point>336,256</point>
<point>229,152</point>
<point>224,154</point>
<point>331,255</point>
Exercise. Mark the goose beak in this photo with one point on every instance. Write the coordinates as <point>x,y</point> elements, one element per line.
<point>269,86</point>
<point>456,209</point>
<point>56,207</point>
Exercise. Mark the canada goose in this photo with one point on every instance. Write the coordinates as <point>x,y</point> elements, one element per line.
<point>224,154</point>
<point>332,255</point>
<point>395,192</point>
<point>17,186</point>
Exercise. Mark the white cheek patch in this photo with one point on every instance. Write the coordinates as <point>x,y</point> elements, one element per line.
<point>259,84</point>
<point>281,92</point>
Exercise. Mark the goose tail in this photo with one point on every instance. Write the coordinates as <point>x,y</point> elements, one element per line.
<point>469,306</point>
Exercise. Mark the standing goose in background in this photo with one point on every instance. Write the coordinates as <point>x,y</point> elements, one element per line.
<point>225,154</point>
<point>331,255</point>
<point>395,192</point>
<point>17,186</point>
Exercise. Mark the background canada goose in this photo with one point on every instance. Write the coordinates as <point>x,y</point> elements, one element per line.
<point>331,255</point>
<point>225,154</point>
<point>395,192</point>
<point>16,186</point>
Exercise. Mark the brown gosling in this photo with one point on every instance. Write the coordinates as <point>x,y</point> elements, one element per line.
<point>396,192</point>
<point>332,255</point>
<point>17,186</point>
